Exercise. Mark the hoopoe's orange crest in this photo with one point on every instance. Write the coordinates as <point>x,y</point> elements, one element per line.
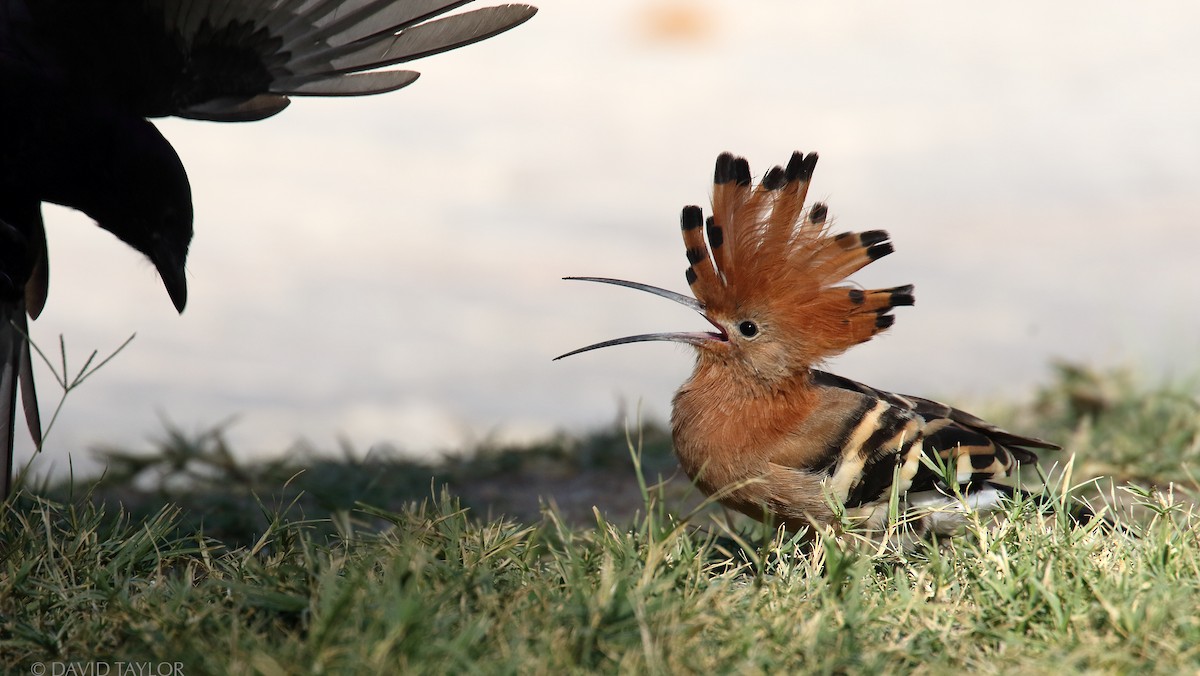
<point>768,275</point>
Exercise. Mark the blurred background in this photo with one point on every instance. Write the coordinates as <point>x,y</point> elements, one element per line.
<point>386,270</point>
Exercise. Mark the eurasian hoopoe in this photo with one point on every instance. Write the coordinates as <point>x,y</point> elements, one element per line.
<point>767,433</point>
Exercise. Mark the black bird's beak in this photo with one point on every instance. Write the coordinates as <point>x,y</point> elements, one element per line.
<point>170,268</point>
<point>690,337</point>
<point>173,278</point>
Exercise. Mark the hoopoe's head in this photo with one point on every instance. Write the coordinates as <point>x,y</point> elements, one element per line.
<point>768,276</point>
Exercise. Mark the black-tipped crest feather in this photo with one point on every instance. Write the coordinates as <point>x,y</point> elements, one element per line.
<point>768,250</point>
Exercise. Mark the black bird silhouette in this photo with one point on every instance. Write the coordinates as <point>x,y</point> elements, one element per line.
<point>78,80</point>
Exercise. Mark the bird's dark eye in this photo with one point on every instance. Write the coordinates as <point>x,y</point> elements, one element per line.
<point>748,329</point>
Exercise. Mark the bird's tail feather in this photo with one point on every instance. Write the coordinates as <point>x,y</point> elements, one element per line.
<point>16,372</point>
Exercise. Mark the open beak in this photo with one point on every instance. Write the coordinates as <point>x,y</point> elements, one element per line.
<point>690,337</point>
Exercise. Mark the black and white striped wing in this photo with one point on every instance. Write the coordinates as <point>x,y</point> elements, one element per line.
<point>896,430</point>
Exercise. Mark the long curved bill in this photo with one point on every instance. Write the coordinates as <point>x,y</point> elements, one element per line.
<point>691,337</point>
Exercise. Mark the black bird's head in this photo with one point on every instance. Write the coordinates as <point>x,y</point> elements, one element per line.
<point>121,172</point>
<point>151,211</point>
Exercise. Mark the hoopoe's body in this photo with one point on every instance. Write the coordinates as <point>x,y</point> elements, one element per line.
<point>762,429</point>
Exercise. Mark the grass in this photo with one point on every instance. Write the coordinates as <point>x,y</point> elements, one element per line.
<point>307,580</point>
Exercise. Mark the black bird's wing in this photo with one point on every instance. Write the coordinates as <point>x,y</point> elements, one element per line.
<point>239,60</point>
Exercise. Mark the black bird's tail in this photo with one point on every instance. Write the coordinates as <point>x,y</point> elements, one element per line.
<point>16,364</point>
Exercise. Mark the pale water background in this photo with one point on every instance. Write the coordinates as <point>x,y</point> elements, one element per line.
<point>386,270</point>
